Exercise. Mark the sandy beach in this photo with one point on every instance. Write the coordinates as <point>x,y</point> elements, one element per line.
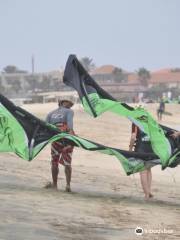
<point>105,204</point>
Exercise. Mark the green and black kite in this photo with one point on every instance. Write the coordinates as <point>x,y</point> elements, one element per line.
<point>96,100</point>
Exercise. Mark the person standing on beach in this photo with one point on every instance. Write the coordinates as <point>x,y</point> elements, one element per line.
<point>61,152</point>
<point>140,143</point>
<point>161,109</point>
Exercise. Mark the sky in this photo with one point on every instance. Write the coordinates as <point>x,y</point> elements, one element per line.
<point>126,33</point>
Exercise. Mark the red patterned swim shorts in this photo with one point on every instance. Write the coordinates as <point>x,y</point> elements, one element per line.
<point>61,154</point>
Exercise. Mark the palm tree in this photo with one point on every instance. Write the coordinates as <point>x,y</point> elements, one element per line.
<point>87,63</point>
<point>12,69</point>
<point>144,76</point>
<point>118,74</point>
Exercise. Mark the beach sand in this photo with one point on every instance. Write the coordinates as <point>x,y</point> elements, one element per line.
<point>105,204</point>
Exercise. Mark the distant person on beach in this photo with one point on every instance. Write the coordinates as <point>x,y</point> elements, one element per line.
<point>161,109</point>
<point>61,153</point>
<point>139,142</point>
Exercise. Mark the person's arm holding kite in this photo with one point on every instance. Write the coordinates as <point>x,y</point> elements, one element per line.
<point>176,134</point>
<point>133,137</point>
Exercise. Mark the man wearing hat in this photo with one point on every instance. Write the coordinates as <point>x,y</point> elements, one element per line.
<point>61,153</point>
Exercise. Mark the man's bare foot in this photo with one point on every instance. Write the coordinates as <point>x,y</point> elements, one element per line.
<point>50,185</point>
<point>68,188</point>
<point>151,195</point>
<point>148,196</point>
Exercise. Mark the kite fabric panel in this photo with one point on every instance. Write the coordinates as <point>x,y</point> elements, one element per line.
<point>26,135</point>
<point>96,100</point>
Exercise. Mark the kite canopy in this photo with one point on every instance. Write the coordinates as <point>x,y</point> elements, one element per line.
<point>96,100</point>
<point>26,135</point>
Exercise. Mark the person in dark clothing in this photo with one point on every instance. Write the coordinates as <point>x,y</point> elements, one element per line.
<point>140,142</point>
<point>160,110</point>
